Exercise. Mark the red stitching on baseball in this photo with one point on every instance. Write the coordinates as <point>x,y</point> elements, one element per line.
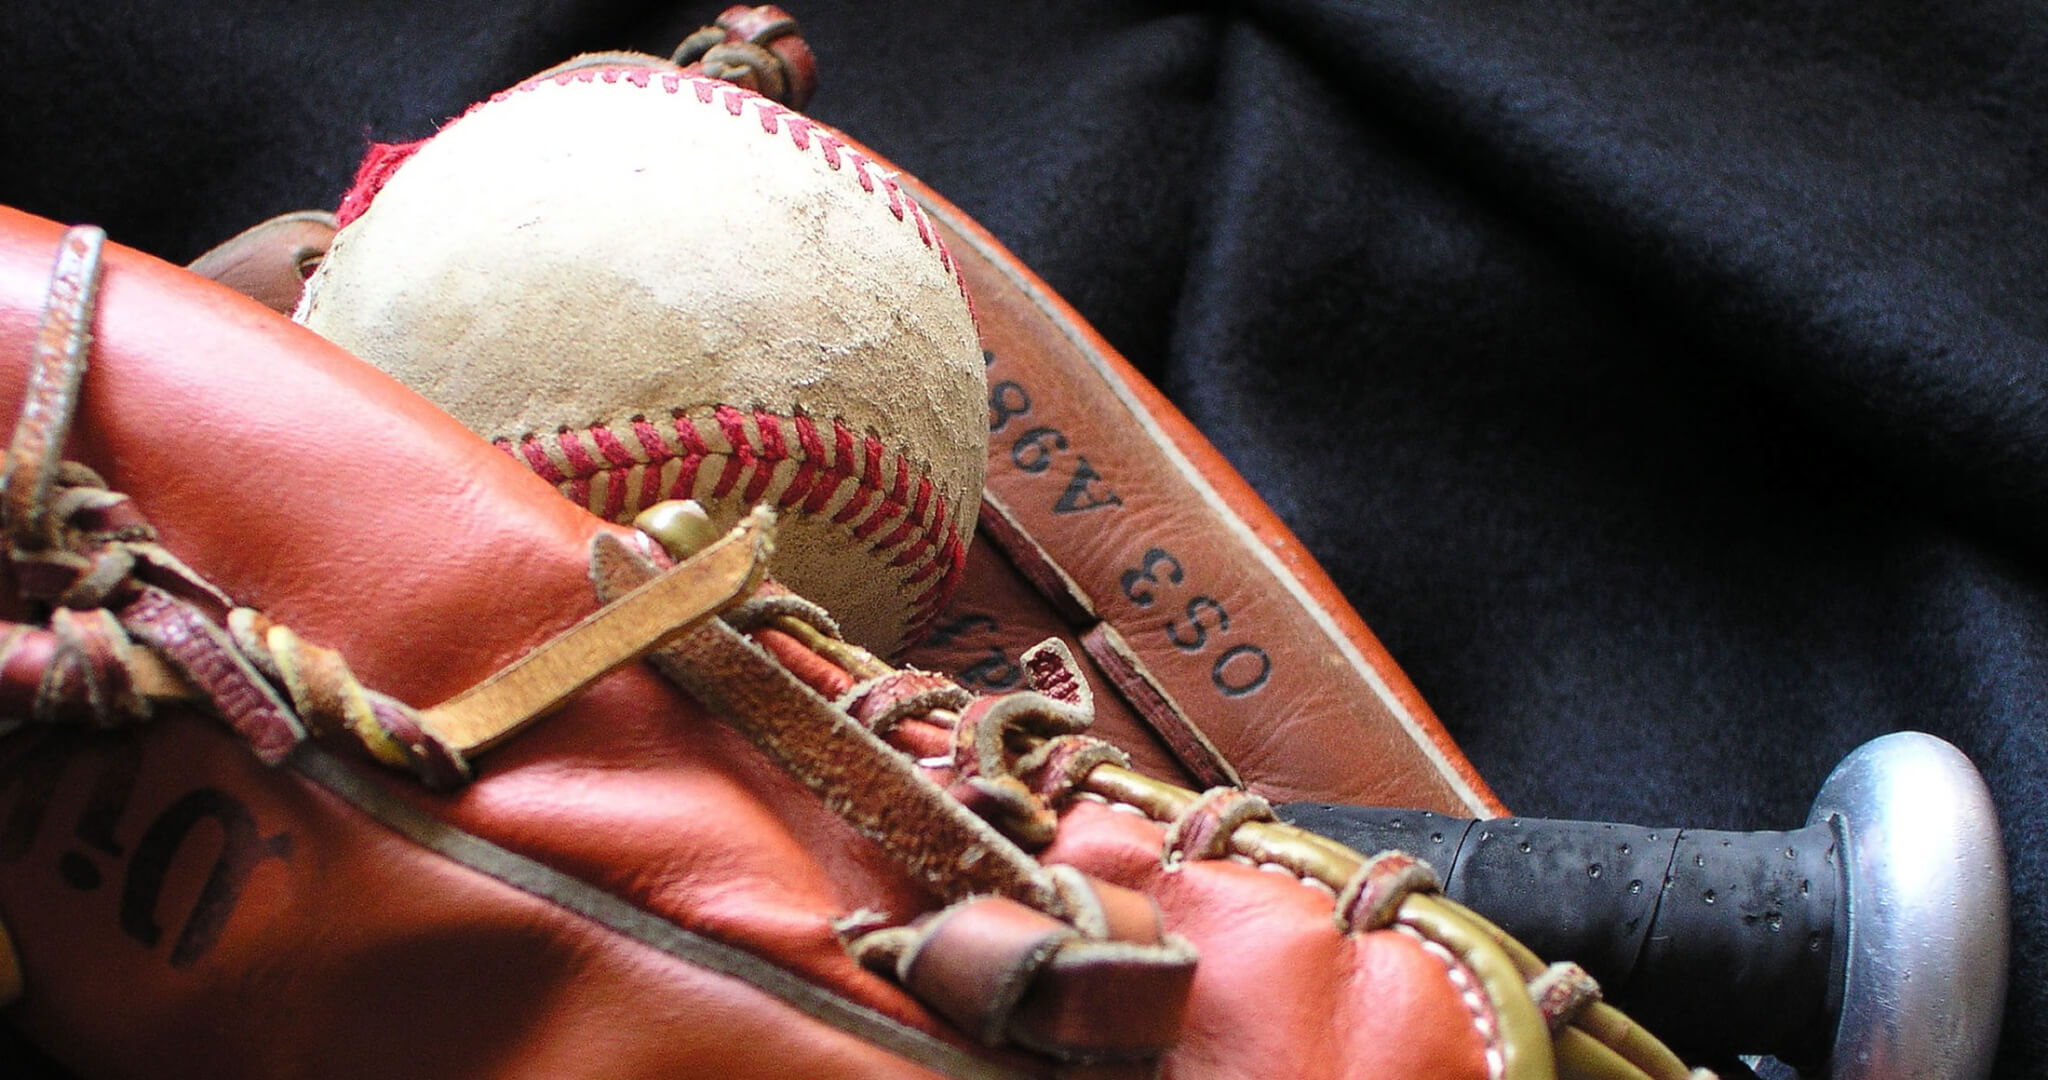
<point>799,130</point>
<point>740,458</point>
<point>580,461</point>
<point>535,458</point>
<point>650,440</point>
<point>835,476</point>
<point>927,568</point>
<point>650,485</point>
<point>870,477</point>
<point>924,526</point>
<point>694,453</point>
<point>608,444</point>
<point>382,160</point>
<point>883,512</point>
<point>931,537</point>
<point>614,496</point>
<point>924,232</point>
<point>813,457</point>
<point>772,453</point>
<point>932,603</point>
<point>807,437</point>
<point>915,551</point>
<point>842,467</point>
<point>909,525</point>
<point>862,493</point>
<point>806,475</point>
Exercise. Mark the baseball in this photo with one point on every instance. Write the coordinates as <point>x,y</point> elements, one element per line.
<point>648,286</point>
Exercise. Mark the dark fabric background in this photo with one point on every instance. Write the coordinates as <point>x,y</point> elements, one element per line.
<point>1663,382</point>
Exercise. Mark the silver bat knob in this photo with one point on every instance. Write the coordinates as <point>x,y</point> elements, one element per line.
<point>1925,903</point>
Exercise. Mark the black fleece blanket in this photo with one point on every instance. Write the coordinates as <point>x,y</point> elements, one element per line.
<point>1667,384</point>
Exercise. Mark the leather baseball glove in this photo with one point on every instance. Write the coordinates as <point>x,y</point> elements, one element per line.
<point>275,610</point>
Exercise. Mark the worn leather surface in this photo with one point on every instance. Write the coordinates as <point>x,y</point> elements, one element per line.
<point>1122,532</point>
<point>1158,538</point>
<point>318,490</point>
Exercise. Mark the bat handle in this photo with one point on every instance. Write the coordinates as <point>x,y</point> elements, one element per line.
<point>1871,943</point>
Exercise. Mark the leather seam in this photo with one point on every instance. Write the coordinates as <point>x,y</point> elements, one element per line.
<point>578,897</point>
<point>1471,995</point>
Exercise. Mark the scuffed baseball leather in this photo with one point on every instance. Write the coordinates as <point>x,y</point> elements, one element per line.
<point>305,484</point>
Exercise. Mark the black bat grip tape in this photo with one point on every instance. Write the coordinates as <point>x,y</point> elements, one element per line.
<point>1711,939</point>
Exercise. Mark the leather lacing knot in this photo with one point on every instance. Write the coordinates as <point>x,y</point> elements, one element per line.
<point>328,698</point>
<point>983,777</point>
<point>1051,669</point>
<point>773,604</point>
<point>1202,831</point>
<point>1563,992</point>
<point>100,567</point>
<point>1056,768</point>
<point>1109,985</point>
<point>758,49</point>
<point>885,701</point>
<point>1371,900</point>
<point>1019,796</point>
<point>82,546</point>
<point>80,668</point>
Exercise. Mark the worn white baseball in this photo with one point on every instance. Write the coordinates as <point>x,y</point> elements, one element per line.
<point>649,286</point>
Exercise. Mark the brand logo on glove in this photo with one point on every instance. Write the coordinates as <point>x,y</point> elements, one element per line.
<point>31,780</point>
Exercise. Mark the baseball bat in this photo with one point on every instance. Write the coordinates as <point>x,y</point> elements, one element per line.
<point>1869,944</point>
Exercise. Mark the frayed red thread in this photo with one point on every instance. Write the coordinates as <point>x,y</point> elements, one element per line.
<point>376,170</point>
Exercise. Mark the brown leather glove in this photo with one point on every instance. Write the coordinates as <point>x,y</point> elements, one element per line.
<point>808,863</point>
<point>745,880</point>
